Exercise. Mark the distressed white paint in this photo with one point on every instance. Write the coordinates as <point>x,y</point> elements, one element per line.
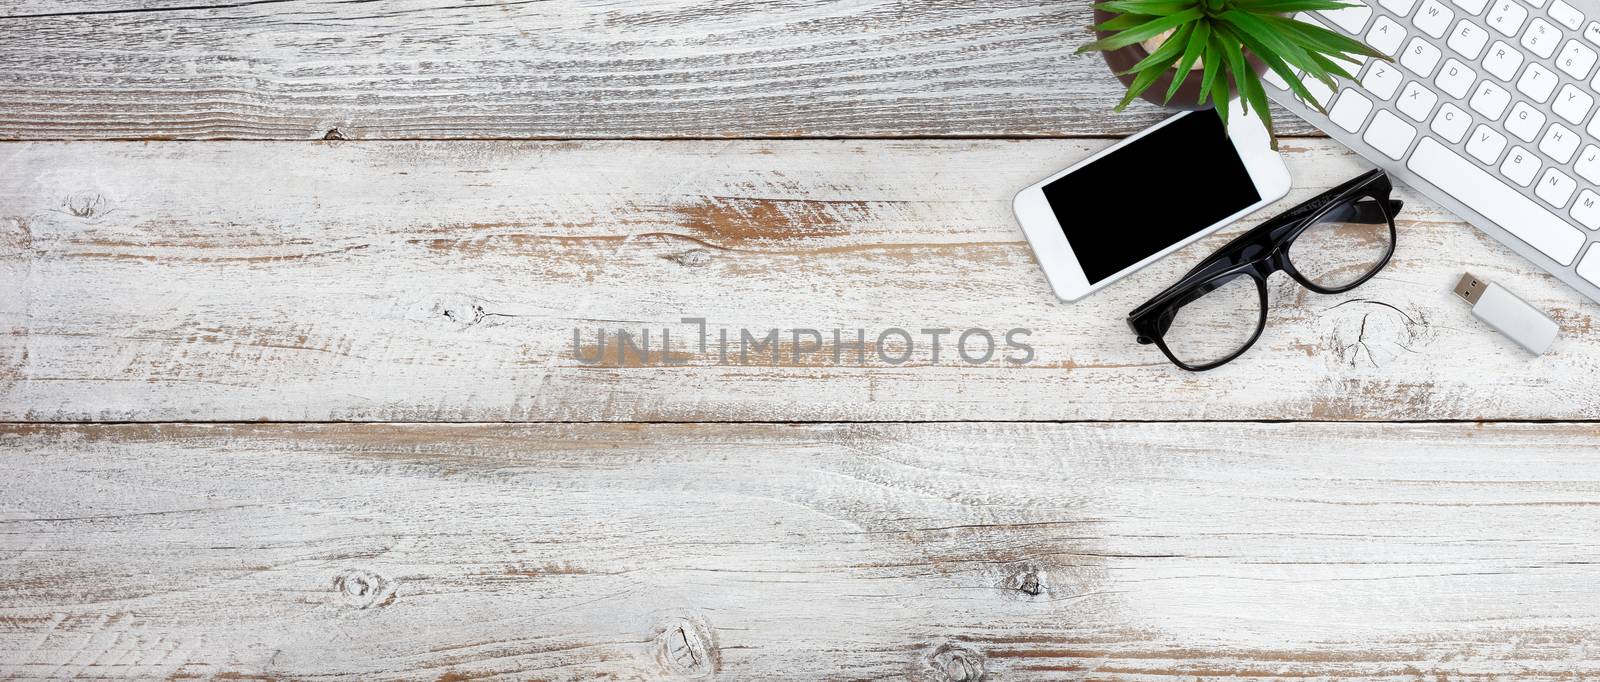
<point>827,551</point>
<point>442,281</point>
<point>554,69</point>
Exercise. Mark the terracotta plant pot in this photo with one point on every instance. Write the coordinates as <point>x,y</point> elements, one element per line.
<point>1188,95</point>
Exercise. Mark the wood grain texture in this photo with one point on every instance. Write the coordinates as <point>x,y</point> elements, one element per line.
<point>1134,551</point>
<point>454,69</point>
<point>444,281</point>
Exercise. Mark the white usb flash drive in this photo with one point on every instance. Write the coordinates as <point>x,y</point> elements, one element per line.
<point>1512,316</point>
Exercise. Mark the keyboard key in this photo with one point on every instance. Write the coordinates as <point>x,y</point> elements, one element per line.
<point>1594,124</point>
<point>1386,36</point>
<point>1433,18</point>
<point>1536,3</point>
<point>1486,144</point>
<point>1507,17</point>
<point>1390,135</point>
<point>1351,19</point>
<point>1382,80</point>
<point>1589,164</point>
<point>1559,143</point>
<point>1587,210</point>
<point>1576,59</point>
<point>1350,111</point>
<point>1451,123</point>
<point>1420,56</point>
<point>1537,82</point>
<point>1497,202</point>
<point>1455,79</point>
<point>1590,268</point>
<point>1520,166</point>
<point>1400,7</point>
<point>1472,6</point>
<point>1556,188</point>
<point>1351,63</point>
<point>1541,38</point>
<point>1417,101</point>
<point>1503,60</point>
<point>1525,121</point>
<point>1273,79</point>
<point>1468,39</point>
<point>1490,100</point>
<point>1566,15</point>
<point>1592,32</point>
<point>1573,104</point>
<point>1320,92</point>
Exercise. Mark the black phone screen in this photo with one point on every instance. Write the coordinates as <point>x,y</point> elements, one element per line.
<point>1150,194</point>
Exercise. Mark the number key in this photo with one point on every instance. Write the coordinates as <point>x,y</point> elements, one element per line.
<point>1507,17</point>
<point>1576,59</point>
<point>1541,38</point>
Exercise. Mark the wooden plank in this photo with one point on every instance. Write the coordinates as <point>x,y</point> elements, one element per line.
<point>410,69</point>
<point>1131,551</point>
<point>445,281</point>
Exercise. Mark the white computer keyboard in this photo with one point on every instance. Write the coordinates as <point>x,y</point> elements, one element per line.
<point>1488,108</point>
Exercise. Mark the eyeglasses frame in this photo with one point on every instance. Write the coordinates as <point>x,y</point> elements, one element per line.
<point>1258,253</point>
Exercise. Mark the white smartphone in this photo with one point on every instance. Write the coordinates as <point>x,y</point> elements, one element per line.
<point>1148,196</point>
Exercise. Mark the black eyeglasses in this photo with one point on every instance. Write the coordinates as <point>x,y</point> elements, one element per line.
<point>1330,244</point>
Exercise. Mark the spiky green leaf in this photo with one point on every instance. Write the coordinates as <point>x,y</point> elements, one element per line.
<point>1195,47</point>
<point>1319,39</point>
<point>1123,22</point>
<point>1155,7</point>
<point>1257,97</point>
<point>1143,32</point>
<point>1210,66</point>
<point>1250,26</point>
<point>1167,53</point>
<point>1143,81</point>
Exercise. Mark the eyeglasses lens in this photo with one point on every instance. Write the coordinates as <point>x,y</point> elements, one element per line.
<point>1217,323</point>
<point>1345,245</point>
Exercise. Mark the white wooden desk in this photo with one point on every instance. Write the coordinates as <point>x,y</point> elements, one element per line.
<point>290,387</point>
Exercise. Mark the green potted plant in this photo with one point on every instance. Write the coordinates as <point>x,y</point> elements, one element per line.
<point>1156,46</point>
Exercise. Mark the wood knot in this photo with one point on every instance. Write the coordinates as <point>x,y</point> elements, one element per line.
<point>458,310</point>
<point>335,134</point>
<point>86,205</point>
<point>364,589</point>
<point>952,663</point>
<point>1026,581</point>
<point>685,647</point>
<point>1372,334</point>
<point>693,258</point>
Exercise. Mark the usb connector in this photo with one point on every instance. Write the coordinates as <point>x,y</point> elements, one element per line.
<point>1470,288</point>
<point>1508,314</point>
